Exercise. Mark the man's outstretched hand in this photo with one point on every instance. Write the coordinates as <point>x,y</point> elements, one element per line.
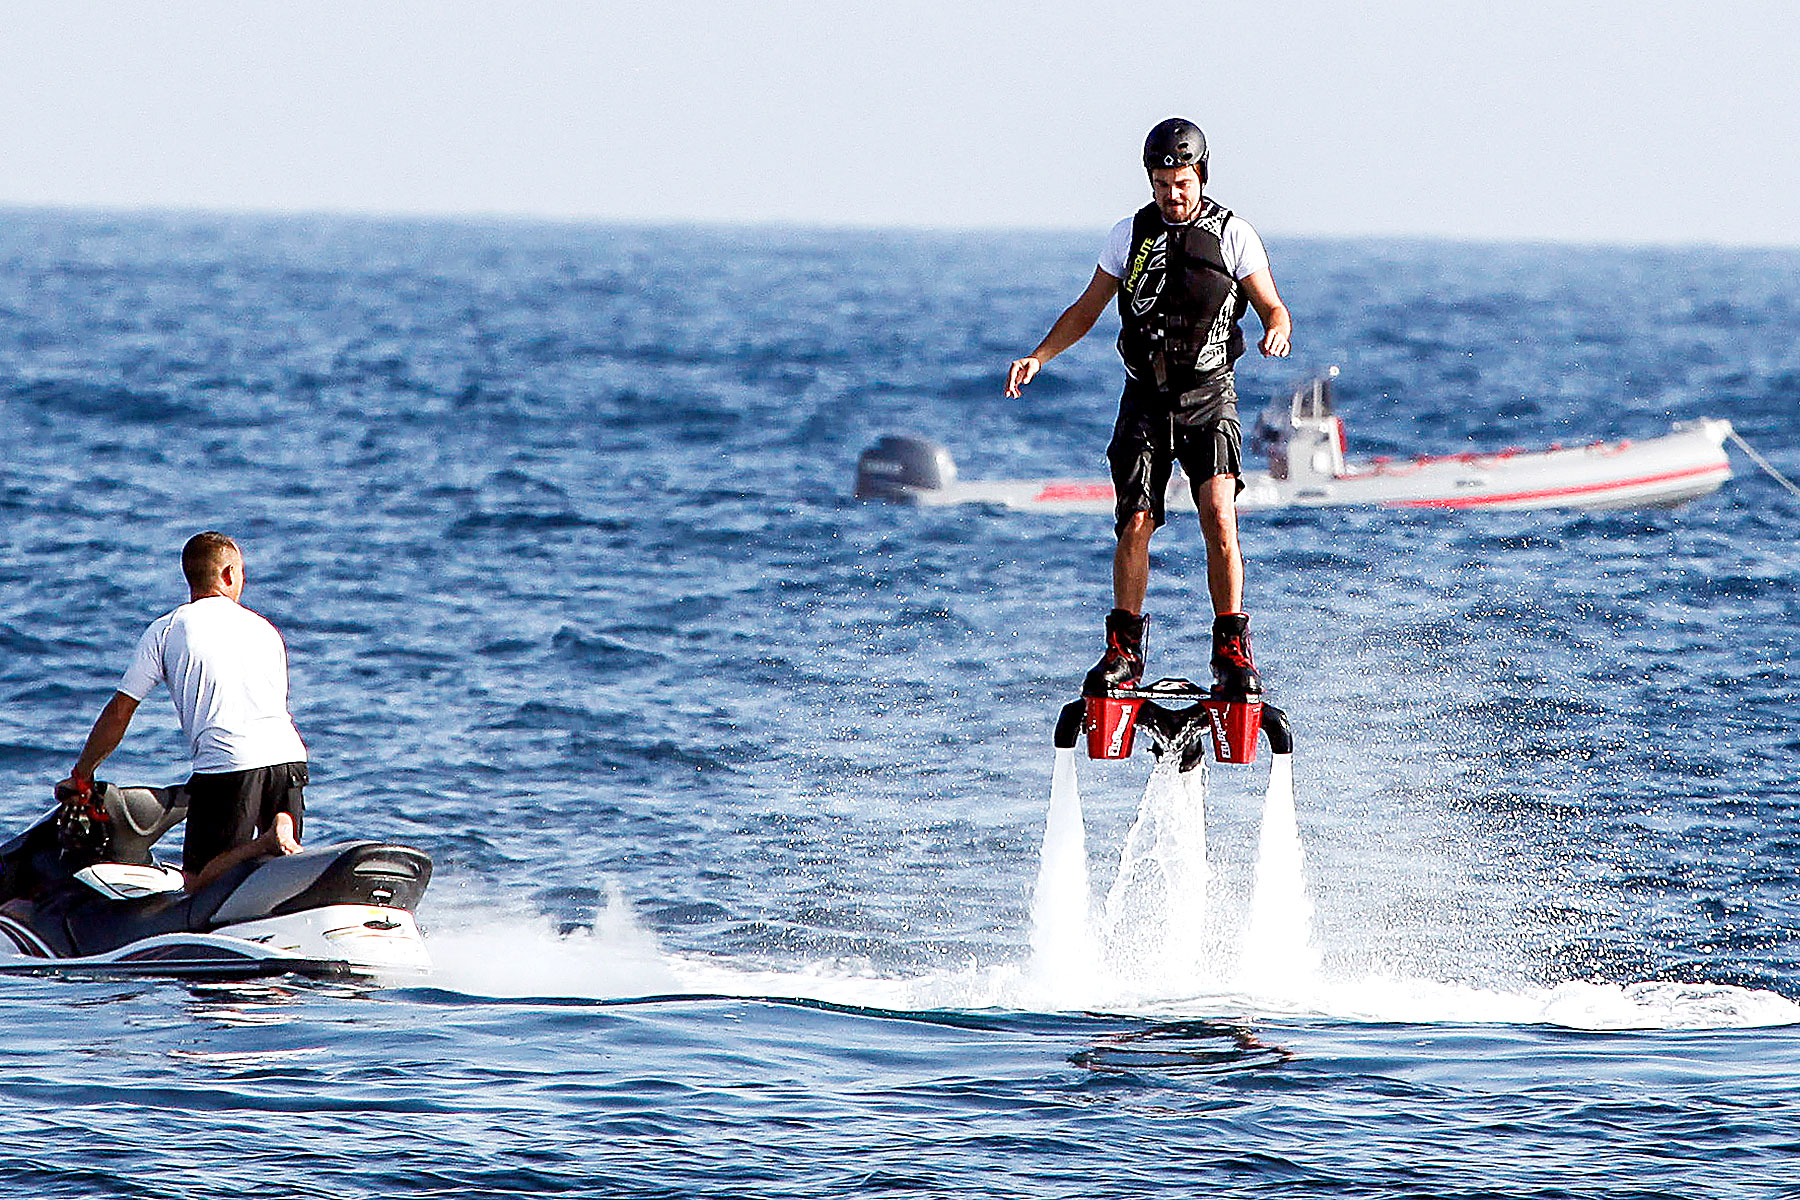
<point>1023,371</point>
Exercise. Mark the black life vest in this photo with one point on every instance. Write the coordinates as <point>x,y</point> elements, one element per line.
<point>1179,307</point>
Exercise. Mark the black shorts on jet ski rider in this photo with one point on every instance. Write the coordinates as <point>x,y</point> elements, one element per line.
<point>1179,307</point>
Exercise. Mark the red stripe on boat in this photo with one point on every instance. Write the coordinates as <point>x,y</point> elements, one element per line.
<point>1585,489</point>
<point>1062,493</point>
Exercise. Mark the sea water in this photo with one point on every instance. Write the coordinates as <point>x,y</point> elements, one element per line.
<point>749,880</point>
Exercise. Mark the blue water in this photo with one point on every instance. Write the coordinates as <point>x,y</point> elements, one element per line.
<point>735,786</point>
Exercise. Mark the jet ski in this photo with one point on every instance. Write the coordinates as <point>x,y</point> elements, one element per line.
<point>81,891</point>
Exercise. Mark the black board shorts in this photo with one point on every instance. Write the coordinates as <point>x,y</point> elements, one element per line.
<point>230,808</point>
<point>1197,428</point>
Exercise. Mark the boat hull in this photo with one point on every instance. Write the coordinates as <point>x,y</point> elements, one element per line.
<point>1682,465</point>
<point>1685,464</point>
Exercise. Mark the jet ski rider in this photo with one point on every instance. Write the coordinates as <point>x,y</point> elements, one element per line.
<point>1184,269</point>
<point>226,669</point>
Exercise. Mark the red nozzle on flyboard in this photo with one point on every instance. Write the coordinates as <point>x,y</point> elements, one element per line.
<point>1235,726</point>
<point>1111,721</point>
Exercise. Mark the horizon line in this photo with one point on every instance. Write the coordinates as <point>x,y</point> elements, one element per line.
<point>788,224</point>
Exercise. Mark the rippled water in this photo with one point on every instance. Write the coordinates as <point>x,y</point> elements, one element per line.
<point>736,786</point>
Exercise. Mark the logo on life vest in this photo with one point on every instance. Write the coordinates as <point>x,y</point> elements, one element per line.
<point>1118,739</point>
<point>1149,272</point>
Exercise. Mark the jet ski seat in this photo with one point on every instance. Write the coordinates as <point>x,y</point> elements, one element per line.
<point>378,873</point>
<point>140,816</point>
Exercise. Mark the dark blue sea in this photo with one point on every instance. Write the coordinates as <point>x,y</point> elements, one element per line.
<point>736,786</point>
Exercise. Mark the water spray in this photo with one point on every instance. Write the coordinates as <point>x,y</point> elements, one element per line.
<point>1154,933</point>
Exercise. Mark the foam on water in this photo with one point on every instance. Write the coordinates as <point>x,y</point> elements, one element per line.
<point>477,953</point>
<point>617,960</point>
<point>1161,949</point>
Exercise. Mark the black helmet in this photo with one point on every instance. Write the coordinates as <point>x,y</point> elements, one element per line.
<point>1177,142</point>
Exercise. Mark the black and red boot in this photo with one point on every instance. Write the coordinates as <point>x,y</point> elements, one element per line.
<point>1234,671</point>
<point>1123,663</point>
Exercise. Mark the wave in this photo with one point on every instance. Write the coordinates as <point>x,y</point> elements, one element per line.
<point>110,402</point>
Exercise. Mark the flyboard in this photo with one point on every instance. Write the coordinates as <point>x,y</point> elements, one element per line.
<point>1180,717</point>
<point>1158,929</point>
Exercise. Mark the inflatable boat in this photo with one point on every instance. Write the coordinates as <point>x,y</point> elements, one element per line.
<point>1303,441</point>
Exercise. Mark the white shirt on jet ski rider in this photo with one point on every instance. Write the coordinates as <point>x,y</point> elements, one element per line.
<point>226,670</point>
<point>1239,245</point>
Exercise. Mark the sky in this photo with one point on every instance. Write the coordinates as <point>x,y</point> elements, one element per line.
<point>1640,122</point>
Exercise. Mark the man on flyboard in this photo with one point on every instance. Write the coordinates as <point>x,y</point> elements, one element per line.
<point>1184,268</point>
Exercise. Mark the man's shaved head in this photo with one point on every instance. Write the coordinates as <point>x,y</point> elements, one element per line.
<point>205,555</point>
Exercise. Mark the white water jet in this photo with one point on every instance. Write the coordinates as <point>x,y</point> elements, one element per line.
<point>1063,954</point>
<point>1154,926</point>
<point>1278,956</point>
<point>1185,947</point>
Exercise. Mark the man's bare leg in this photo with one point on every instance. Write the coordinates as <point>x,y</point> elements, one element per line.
<point>1131,563</point>
<point>277,839</point>
<point>1234,670</point>
<point>1123,663</point>
<point>1216,498</point>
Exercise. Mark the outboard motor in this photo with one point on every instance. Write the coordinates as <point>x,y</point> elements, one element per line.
<point>1112,719</point>
<point>898,468</point>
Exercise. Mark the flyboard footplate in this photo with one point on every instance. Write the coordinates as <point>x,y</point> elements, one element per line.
<point>1177,713</point>
<point>1162,691</point>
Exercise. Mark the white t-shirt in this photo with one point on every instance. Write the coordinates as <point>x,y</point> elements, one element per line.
<point>1239,245</point>
<point>226,669</point>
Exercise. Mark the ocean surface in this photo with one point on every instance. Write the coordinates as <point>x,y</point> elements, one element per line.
<point>737,787</point>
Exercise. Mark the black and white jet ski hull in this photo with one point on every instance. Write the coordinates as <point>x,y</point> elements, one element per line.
<point>333,941</point>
